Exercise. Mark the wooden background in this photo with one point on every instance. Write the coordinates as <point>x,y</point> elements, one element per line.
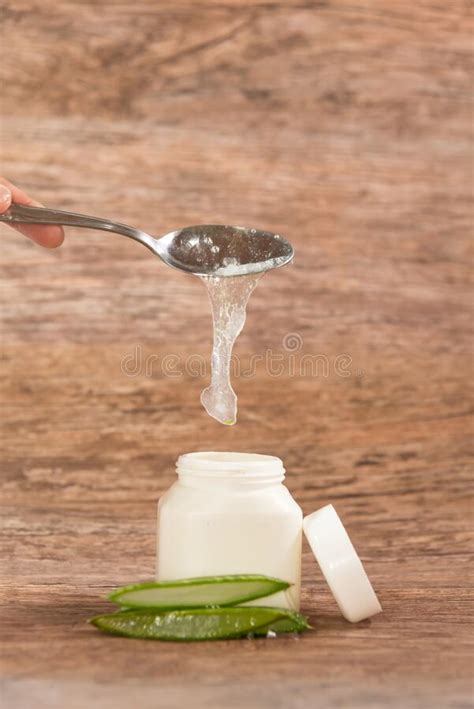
<point>343,124</point>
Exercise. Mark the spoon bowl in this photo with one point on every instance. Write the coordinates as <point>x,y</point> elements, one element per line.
<point>204,250</point>
<point>223,250</point>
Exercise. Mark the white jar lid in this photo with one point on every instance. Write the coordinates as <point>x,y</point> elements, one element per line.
<point>340,565</point>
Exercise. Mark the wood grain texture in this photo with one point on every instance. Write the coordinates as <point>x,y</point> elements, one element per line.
<point>345,126</point>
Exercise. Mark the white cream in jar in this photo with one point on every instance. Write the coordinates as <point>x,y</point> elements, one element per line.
<point>229,513</point>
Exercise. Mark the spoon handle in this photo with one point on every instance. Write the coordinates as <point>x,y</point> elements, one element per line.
<point>21,214</point>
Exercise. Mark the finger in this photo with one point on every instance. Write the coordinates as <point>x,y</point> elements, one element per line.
<point>49,236</point>
<point>5,198</point>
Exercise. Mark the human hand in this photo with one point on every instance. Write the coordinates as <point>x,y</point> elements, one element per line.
<point>49,236</point>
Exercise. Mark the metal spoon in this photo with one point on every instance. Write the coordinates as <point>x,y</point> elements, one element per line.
<point>205,250</point>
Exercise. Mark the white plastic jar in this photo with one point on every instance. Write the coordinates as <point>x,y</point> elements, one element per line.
<point>228,513</point>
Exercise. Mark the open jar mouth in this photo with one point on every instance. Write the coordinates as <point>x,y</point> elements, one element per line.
<point>242,467</point>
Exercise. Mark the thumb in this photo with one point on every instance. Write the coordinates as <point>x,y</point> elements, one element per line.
<point>5,198</point>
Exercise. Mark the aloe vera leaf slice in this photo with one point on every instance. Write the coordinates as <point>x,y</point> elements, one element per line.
<point>207,592</point>
<point>188,625</point>
<point>294,624</point>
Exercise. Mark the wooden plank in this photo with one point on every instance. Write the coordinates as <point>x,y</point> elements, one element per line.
<point>347,127</point>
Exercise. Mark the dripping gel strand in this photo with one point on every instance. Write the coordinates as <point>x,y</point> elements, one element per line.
<point>228,296</point>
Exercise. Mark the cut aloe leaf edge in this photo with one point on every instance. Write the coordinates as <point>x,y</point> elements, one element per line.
<point>200,624</point>
<point>285,625</point>
<point>199,592</point>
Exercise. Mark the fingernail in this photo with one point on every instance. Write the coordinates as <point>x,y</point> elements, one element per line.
<point>5,194</point>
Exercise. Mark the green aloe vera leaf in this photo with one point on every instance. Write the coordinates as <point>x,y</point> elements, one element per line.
<point>205,592</point>
<point>196,624</point>
<point>294,624</point>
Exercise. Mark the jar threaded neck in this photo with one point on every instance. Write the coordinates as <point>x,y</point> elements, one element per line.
<point>247,468</point>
